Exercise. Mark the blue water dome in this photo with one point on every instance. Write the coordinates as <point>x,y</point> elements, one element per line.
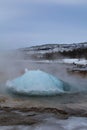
<point>36,82</point>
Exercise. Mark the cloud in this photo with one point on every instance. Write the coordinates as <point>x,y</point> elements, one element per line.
<point>13,8</point>
<point>70,2</point>
<point>40,21</point>
<point>64,1</point>
<point>10,9</point>
<point>13,2</point>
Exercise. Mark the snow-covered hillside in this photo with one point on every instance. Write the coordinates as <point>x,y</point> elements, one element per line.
<point>56,50</point>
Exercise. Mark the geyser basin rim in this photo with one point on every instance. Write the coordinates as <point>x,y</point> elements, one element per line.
<point>36,82</point>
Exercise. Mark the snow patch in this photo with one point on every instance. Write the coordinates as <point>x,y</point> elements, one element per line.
<point>76,61</point>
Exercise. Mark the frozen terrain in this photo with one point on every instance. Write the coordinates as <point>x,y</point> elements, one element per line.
<point>55,51</point>
<point>75,61</point>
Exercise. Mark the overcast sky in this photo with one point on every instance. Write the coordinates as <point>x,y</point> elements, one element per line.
<point>32,22</point>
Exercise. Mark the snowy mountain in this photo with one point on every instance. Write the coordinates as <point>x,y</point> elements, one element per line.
<point>52,51</point>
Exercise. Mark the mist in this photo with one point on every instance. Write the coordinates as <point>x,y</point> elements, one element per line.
<point>13,64</point>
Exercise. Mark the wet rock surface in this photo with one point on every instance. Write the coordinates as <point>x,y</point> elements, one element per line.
<point>36,115</point>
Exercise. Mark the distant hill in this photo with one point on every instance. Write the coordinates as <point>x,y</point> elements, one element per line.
<point>56,51</point>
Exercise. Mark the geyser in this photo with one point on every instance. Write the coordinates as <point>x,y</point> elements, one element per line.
<point>37,82</point>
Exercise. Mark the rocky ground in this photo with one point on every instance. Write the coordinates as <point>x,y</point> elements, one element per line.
<point>15,113</point>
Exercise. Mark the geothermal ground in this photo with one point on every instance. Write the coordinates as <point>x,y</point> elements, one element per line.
<point>55,112</point>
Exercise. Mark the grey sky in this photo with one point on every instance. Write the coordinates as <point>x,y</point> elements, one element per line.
<point>31,22</point>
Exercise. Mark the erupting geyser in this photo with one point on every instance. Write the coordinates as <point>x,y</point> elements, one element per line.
<point>36,82</point>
